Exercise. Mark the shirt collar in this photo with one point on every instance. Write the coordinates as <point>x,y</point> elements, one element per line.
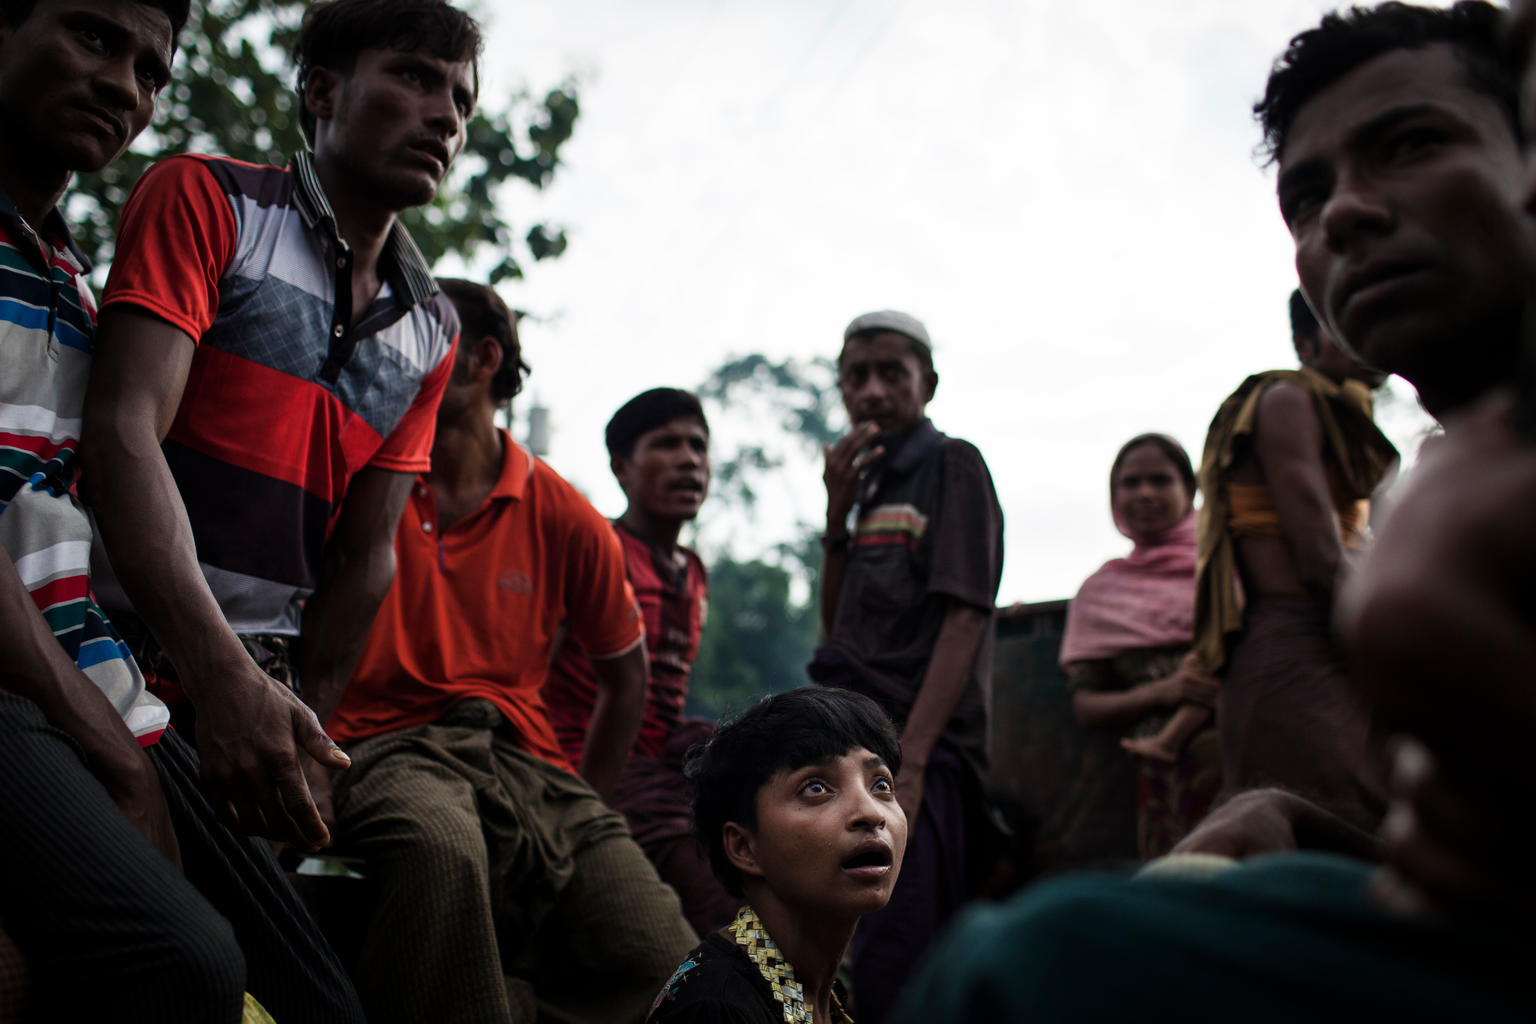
<point>910,450</point>
<point>400,253</point>
<point>55,231</point>
<point>516,469</point>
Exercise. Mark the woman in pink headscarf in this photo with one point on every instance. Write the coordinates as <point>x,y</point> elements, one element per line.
<point>1126,649</point>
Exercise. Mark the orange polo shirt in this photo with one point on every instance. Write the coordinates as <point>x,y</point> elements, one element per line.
<point>475,610</point>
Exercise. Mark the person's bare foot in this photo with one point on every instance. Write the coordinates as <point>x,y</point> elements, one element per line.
<point>1152,748</point>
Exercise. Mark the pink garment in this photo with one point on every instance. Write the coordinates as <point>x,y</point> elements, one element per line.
<point>1146,599</point>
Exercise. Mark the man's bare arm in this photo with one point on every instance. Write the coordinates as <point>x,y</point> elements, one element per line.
<point>1256,822</point>
<point>1288,443</point>
<point>250,729</point>
<point>357,572</point>
<point>616,714</point>
<point>949,668</point>
<point>36,667</point>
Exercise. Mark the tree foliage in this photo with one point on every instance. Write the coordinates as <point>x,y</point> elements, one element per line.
<point>231,93</point>
<point>756,642</point>
<point>760,635</point>
<point>800,401</point>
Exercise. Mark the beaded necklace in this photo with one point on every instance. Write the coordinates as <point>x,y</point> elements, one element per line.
<point>753,938</point>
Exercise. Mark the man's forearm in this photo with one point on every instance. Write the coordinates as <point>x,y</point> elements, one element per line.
<point>1318,828</point>
<point>832,565</point>
<point>949,669</point>
<point>355,575</point>
<point>36,667</point>
<point>148,538</point>
<point>1313,539</point>
<point>337,618</point>
<point>616,714</point>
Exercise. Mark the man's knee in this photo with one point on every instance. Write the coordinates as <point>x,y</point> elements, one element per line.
<point>205,975</point>
<point>441,845</point>
<point>181,965</point>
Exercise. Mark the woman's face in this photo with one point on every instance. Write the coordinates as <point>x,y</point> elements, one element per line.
<point>1148,495</point>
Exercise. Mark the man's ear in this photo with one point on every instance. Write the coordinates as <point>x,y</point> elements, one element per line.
<point>322,86</point>
<point>741,849</point>
<point>620,467</point>
<point>486,357</point>
<point>931,384</point>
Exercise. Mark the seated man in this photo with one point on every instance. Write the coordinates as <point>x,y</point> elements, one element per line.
<point>1400,180</point>
<point>795,801</point>
<point>502,878</point>
<point>123,894</point>
<point>272,353</point>
<point>658,444</point>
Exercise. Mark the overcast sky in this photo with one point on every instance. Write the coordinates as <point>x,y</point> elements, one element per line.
<point>1065,193</point>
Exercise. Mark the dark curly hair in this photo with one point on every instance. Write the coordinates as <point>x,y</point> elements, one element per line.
<point>781,732</point>
<point>1344,40</point>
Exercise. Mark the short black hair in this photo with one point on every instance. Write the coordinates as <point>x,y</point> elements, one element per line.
<point>17,11</point>
<point>334,32</point>
<point>781,732</point>
<point>1344,40</point>
<point>481,313</point>
<point>647,411</point>
<point>919,348</point>
<point>1169,447</point>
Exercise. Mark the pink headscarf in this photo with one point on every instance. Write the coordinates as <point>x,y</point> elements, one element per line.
<point>1146,599</point>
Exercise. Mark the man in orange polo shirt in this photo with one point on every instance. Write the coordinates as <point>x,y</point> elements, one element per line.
<point>505,885</point>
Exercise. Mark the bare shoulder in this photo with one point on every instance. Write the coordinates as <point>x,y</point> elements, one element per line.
<point>1286,402</point>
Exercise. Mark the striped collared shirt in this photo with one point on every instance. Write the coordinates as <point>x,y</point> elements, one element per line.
<point>47,332</point>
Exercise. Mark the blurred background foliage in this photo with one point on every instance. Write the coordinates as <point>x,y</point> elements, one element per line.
<point>763,622</point>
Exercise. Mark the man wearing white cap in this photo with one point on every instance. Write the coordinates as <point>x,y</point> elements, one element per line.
<point>907,597</point>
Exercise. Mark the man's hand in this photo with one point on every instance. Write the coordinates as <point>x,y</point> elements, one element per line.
<point>1261,821</point>
<point>909,793</point>
<point>318,776</point>
<point>1440,625</point>
<point>36,667</point>
<point>1250,824</point>
<point>134,786</point>
<point>253,734</point>
<point>1451,849</point>
<point>845,464</point>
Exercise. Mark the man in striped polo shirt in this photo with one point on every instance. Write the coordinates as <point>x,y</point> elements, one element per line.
<point>273,350</point>
<point>99,804</point>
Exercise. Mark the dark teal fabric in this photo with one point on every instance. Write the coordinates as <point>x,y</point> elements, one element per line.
<point>1288,937</point>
